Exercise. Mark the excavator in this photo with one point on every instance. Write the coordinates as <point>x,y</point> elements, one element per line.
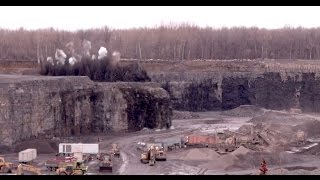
<point>24,167</point>
<point>5,167</point>
<point>149,156</point>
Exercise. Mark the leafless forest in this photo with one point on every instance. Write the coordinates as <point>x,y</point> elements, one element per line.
<point>172,42</point>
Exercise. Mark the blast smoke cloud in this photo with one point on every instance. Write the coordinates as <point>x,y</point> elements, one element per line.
<point>116,56</point>
<point>102,53</point>
<point>86,47</point>
<point>50,60</point>
<point>60,56</point>
<point>72,61</point>
<point>70,48</point>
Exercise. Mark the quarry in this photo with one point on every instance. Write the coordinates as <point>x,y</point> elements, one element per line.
<point>201,117</point>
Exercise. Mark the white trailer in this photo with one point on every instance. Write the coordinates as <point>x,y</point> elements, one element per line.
<point>27,156</point>
<point>70,148</point>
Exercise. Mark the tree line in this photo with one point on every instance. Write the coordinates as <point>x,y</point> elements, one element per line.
<point>169,42</point>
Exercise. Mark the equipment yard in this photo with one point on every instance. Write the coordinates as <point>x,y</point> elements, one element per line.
<point>284,150</point>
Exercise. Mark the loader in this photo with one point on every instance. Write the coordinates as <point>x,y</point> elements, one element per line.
<point>149,156</point>
<point>5,167</point>
<point>105,164</point>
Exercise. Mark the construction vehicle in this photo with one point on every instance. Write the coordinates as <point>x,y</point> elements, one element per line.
<point>71,168</point>
<point>24,167</point>
<point>160,154</point>
<point>53,164</point>
<point>149,156</point>
<point>301,137</point>
<point>115,150</point>
<point>5,167</point>
<point>105,162</point>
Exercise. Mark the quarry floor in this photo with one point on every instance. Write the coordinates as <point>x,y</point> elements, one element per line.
<point>241,161</point>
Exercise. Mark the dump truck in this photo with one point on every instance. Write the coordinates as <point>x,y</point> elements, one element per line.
<point>27,156</point>
<point>149,156</point>
<point>53,164</point>
<point>115,150</point>
<point>105,163</point>
<point>5,167</point>
<point>71,168</point>
<point>27,168</point>
<point>67,149</point>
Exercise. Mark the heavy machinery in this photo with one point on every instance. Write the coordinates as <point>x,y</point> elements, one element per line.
<point>301,137</point>
<point>24,167</point>
<point>5,167</point>
<point>53,164</point>
<point>115,150</point>
<point>71,168</point>
<point>105,164</point>
<point>160,154</point>
<point>149,156</point>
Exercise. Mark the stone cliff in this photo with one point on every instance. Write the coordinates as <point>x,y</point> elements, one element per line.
<point>222,85</point>
<point>33,106</point>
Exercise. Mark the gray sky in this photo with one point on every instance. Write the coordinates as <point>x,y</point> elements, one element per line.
<point>82,17</point>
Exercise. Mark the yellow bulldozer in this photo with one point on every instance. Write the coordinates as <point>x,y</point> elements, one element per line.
<point>149,156</point>
<point>28,168</point>
<point>71,168</point>
<point>105,164</point>
<point>5,167</point>
<point>160,154</point>
<point>115,150</point>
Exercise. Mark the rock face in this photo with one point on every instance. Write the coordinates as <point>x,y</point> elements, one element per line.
<point>130,106</point>
<point>271,90</point>
<point>33,106</point>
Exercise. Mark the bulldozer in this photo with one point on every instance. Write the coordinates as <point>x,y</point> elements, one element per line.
<point>24,167</point>
<point>105,164</point>
<point>115,150</point>
<point>301,137</point>
<point>71,168</point>
<point>160,154</point>
<point>5,167</point>
<point>149,156</point>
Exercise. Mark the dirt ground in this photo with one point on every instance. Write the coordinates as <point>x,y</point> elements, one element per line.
<point>280,159</point>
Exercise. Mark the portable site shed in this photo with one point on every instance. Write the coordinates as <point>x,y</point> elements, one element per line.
<point>68,148</point>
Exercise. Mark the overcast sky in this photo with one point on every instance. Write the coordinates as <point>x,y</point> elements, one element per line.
<point>82,17</point>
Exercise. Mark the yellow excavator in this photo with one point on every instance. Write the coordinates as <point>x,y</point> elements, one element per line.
<point>24,167</point>
<point>5,167</point>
